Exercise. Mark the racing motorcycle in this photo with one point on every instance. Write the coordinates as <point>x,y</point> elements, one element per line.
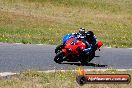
<point>72,51</point>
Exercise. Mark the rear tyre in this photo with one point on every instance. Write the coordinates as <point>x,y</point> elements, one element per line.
<point>58,48</point>
<point>59,57</point>
<point>84,61</point>
<point>91,56</point>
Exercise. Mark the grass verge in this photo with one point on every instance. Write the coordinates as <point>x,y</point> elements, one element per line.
<point>34,79</point>
<point>47,21</point>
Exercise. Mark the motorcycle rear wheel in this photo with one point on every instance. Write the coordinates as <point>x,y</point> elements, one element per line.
<point>91,56</point>
<point>84,61</point>
<point>59,57</point>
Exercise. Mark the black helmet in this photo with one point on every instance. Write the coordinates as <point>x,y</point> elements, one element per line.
<point>90,34</point>
<point>82,30</point>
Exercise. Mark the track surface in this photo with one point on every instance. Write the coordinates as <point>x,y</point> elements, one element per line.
<point>15,57</point>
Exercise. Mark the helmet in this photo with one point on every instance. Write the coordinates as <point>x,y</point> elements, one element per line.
<point>90,34</point>
<point>82,30</point>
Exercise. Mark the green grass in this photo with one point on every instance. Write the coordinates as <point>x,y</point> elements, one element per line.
<point>47,21</point>
<point>34,79</point>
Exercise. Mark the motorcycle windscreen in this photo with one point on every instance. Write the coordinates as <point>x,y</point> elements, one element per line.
<point>66,38</point>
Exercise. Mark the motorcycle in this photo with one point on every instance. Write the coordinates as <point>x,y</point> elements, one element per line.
<point>72,51</point>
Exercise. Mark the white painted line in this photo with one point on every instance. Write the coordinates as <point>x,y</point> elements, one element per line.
<point>3,74</point>
<point>18,43</point>
<point>87,70</point>
<point>108,47</point>
<point>129,48</point>
<point>1,43</point>
<point>108,69</point>
<point>53,45</point>
<point>7,74</point>
<point>39,44</point>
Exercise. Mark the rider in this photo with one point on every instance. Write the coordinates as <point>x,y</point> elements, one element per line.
<point>91,38</point>
<point>87,37</point>
<point>80,35</point>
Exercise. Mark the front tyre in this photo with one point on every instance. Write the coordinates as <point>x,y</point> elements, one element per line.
<point>59,57</point>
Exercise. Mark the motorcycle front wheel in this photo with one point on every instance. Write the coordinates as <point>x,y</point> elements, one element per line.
<point>58,48</point>
<point>59,57</point>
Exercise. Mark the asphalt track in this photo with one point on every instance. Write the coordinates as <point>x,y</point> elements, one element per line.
<point>20,57</point>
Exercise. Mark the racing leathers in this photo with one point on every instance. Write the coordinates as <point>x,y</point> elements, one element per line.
<point>92,45</point>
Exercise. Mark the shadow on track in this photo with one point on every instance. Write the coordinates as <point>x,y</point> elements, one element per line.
<point>96,56</point>
<point>88,64</point>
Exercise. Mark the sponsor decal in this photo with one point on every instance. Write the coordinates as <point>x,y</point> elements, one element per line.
<point>84,78</point>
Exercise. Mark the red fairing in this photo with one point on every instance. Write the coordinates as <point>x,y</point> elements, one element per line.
<point>73,44</point>
<point>100,43</point>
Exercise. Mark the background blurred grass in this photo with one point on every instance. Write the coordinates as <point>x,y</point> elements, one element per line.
<point>47,21</point>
